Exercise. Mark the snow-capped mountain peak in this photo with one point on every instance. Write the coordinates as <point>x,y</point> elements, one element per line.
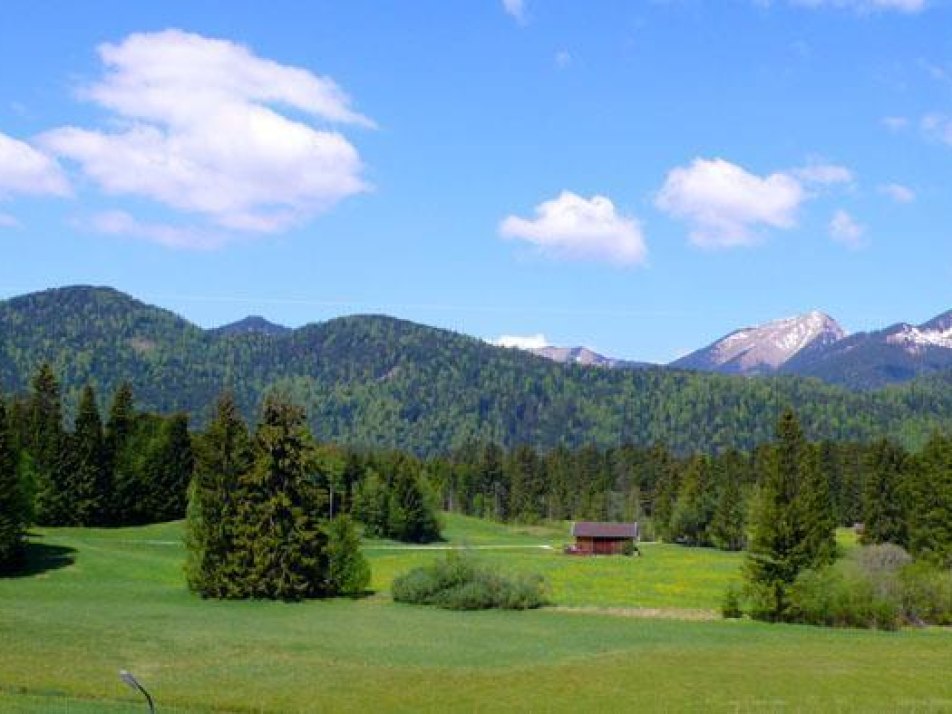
<point>767,347</point>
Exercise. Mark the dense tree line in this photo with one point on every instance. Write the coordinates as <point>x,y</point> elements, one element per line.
<point>373,382</point>
<point>132,469</point>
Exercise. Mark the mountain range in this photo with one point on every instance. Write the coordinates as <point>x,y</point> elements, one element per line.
<point>373,380</point>
<point>810,345</point>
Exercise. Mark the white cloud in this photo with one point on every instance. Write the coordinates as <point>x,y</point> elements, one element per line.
<point>868,6</point>
<point>822,174</point>
<point>898,193</point>
<point>844,229</point>
<point>563,58</point>
<point>196,127</point>
<point>515,8</point>
<point>937,126</point>
<point>726,205</point>
<point>895,123</point>
<point>120,223</point>
<point>8,221</point>
<point>571,226</point>
<point>24,170</point>
<point>522,342</point>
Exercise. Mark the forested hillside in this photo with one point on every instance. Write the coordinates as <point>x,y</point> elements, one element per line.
<point>383,382</point>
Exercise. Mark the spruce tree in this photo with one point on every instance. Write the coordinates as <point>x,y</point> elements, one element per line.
<point>88,483</point>
<point>930,524</point>
<point>13,507</point>
<point>412,517</point>
<point>348,572</point>
<point>120,428</point>
<point>278,542</point>
<point>372,504</point>
<point>728,524</point>
<point>884,498</point>
<point>815,505</point>
<point>784,538</point>
<point>222,455</point>
<point>45,443</point>
<point>170,471</point>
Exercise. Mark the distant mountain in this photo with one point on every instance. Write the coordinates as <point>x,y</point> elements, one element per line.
<point>585,357</point>
<point>376,381</point>
<point>869,360</point>
<point>253,324</point>
<point>765,349</point>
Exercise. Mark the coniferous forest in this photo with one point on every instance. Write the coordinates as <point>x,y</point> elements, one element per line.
<point>271,511</point>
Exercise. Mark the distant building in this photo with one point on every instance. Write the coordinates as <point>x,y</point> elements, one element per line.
<point>594,538</point>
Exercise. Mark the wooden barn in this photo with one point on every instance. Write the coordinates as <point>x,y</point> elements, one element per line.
<point>594,538</point>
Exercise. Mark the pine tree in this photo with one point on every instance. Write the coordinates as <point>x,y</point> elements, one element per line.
<point>45,443</point>
<point>124,486</point>
<point>728,524</point>
<point>412,516</point>
<point>13,507</point>
<point>930,525</point>
<point>884,498</point>
<point>371,504</point>
<point>278,542</point>
<point>348,572</point>
<point>815,505</point>
<point>784,538</point>
<point>694,507</point>
<point>170,471</point>
<point>222,455</point>
<point>88,485</point>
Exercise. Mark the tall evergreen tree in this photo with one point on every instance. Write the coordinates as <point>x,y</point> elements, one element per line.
<point>169,471</point>
<point>120,428</point>
<point>885,514</point>
<point>13,507</point>
<point>348,572</point>
<point>222,455</point>
<point>930,525</point>
<point>278,542</point>
<point>815,505</point>
<point>784,538</point>
<point>45,442</point>
<point>88,482</point>
<point>728,524</point>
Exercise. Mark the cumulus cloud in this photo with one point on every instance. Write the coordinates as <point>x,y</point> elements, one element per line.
<point>571,226</point>
<point>515,8</point>
<point>868,6</point>
<point>196,127</point>
<point>844,229</point>
<point>898,193</point>
<point>726,205</point>
<point>24,170</point>
<point>523,342</point>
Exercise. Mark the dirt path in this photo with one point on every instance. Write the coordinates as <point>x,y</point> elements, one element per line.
<point>659,613</point>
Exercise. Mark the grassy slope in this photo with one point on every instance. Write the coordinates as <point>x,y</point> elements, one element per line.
<point>122,604</point>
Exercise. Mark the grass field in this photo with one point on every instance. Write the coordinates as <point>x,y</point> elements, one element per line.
<point>98,601</point>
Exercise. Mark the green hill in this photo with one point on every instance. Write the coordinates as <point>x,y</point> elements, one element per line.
<point>383,382</point>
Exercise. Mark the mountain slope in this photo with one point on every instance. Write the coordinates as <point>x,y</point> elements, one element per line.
<point>870,360</point>
<point>766,348</point>
<point>383,382</point>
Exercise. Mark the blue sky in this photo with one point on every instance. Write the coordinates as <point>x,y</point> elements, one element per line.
<point>637,177</point>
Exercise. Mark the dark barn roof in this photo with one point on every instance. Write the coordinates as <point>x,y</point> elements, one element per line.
<point>595,529</point>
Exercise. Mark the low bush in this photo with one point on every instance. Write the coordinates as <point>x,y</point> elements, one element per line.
<point>458,582</point>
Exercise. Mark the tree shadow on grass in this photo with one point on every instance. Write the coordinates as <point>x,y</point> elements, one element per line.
<point>39,558</point>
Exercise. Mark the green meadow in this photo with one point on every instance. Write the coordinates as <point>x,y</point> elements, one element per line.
<point>628,635</point>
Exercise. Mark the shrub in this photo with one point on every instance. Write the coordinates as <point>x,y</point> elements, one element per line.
<point>841,596</point>
<point>927,594</point>
<point>457,582</point>
<point>730,606</point>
